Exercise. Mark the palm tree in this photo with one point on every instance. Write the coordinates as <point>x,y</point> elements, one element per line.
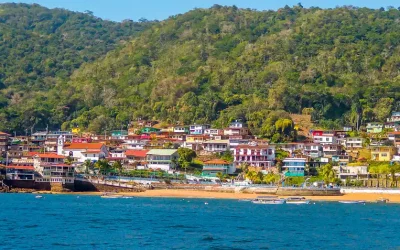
<point>69,160</point>
<point>117,166</point>
<point>103,166</point>
<point>88,164</point>
<point>328,173</point>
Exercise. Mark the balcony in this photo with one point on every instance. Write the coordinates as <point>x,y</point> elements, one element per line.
<point>294,173</point>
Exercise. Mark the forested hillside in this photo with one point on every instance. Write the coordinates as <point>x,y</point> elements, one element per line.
<point>215,65</point>
<point>39,47</point>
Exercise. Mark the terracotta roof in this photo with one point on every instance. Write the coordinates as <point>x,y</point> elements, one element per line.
<point>136,153</point>
<point>253,147</point>
<point>85,146</point>
<point>21,167</point>
<point>47,155</point>
<point>93,151</point>
<point>217,161</point>
<point>50,164</point>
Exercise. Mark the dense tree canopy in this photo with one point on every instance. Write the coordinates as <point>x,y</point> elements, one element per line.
<point>40,47</point>
<point>213,65</point>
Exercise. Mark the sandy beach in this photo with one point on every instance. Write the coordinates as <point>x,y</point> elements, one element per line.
<point>171,193</point>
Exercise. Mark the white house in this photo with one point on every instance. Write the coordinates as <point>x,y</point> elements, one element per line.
<point>198,129</point>
<point>216,146</point>
<point>354,142</point>
<point>351,172</point>
<point>313,150</point>
<point>164,159</point>
<point>254,155</point>
<point>83,151</point>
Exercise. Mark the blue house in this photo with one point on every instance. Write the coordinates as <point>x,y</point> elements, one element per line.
<point>294,167</point>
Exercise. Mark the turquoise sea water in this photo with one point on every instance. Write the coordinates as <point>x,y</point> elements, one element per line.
<point>88,222</point>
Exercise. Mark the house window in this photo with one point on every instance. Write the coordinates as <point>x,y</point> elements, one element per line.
<point>384,155</point>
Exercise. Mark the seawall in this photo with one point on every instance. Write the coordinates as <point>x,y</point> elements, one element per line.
<point>370,191</point>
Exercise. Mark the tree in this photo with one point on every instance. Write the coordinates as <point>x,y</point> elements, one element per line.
<point>394,169</point>
<point>117,166</point>
<point>186,157</point>
<point>383,108</point>
<point>69,160</point>
<point>87,164</point>
<point>227,156</point>
<point>328,173</point>
<point>103,166</point>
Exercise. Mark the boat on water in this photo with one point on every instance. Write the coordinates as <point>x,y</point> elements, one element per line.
<point>115,196</point>
<point>352,202</point>
<point>38,197</point>
<point>111,196</point>
<point>297,200</point>
<point>382,200</point>
<point>268,200</point>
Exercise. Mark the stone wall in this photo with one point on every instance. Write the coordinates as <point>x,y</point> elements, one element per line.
<point>84,186</point>
<point>40,186</point>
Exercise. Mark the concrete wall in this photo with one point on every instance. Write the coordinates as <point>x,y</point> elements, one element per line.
<point>307,192</point>
<point>369,191</point>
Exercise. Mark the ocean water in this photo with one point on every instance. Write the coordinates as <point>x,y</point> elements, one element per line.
<point>89,222</point>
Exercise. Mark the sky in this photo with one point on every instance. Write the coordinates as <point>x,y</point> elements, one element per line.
<point>118,10</point>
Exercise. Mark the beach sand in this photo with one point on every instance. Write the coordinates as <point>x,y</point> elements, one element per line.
<point>173,193</point>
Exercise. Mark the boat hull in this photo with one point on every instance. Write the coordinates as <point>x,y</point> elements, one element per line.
<point>111,197</point>
<point>298,202</point>
<point>352,202</point>
<point>273,202</point>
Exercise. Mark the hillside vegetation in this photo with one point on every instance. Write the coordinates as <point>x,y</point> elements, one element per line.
<point>39,47</point>
<point>214,65</point>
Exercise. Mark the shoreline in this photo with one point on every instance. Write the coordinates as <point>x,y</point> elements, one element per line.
<point>195,194</point>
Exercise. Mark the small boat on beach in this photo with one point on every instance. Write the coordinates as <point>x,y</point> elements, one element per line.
<point>382,200</point>
<point>297,200</point>
<point>268,200</point>
<point>352,202</point>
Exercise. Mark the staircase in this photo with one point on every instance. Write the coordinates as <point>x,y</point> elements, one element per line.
<point>4,186</point>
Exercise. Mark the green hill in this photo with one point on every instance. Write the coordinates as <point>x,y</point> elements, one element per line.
<point>215,65</point>
<point>40,46</point>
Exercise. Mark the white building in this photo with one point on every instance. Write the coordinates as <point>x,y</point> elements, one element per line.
<point>198,129</point>
<point>313,150</point>
<point>213,132</point>
<point>164,159</point>
<point>350,172</point>
<point>51,168</point>
<point>83,151</point>
<point>254,155</point>
<point>354,142</point>
<point>216,146</point>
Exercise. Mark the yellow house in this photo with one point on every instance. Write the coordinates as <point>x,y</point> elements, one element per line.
<point>382,153</point>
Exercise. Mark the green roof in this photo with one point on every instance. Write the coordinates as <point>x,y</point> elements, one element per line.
<point>162,152</point>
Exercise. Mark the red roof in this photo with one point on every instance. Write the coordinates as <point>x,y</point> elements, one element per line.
<point>253,147</point>
<point>136,153</point>
<point>85,146</point>
<point>21,167</point>
<point>217,162</point>
<point>47,155</point>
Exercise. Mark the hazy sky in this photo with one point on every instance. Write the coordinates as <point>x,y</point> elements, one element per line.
<point>118,10</point>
